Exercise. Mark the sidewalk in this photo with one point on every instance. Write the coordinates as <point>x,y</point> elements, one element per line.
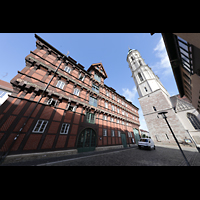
<point>44,157</point>
<point>194,159</point>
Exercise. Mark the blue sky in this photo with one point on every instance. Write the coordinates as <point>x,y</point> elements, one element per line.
<point>87,48</point>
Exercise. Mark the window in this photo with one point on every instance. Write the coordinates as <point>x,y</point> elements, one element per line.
<point>64,128</point>
<point>112,133</point>
<point>130,134</point>
<point>122,103</point>
<point>95,88</point>
<point>2,93</point>
<point>122,112</point>
<point>104,132</point>
<point>145,89</point>
<point>118,100</point>
<point>107,93</point>
<point>40,126</point>
<point>52,102</point>
<point>194,120</point>
<point>81,77</point>
<point>97,77</point>
<point>140,76</point>
<point>105,117</point>
<point>113,108</point>
<point>71,108</point>
<point>118,121</point>
<point>90,118</point>
<point>113,97</point>
<point>117,110</point>
<point>67,69</point>
<point>60,84</point>
<point>106,105</point>
<point>140,62</point>
<point>154,108</point>
<point>76,91</point>
<point>111,119</point>
<point>119,134</point>
<point>127,124</point>
<point>122,122</point>
<point>132,57</point>
<point>93,101</point>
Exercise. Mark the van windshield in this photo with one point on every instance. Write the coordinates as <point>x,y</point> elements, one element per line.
<point>143,140</point>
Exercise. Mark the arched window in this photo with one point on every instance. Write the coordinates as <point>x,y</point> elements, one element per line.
<point>194,120</point>
<point>140,76</point>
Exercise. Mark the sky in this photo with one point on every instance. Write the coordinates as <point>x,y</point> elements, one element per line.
<point>87,48</point>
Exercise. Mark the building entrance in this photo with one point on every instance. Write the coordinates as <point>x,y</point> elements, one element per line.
<point>136,135</point>
<point>86,140</point>
<point>123,136</point>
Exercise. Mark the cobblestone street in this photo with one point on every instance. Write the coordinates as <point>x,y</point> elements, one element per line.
<point>135,157</point>
<point>162,156</point>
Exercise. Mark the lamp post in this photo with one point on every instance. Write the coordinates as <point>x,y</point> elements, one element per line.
<point>165,117</point>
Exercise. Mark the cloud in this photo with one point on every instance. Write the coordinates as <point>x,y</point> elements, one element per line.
<point>163,66</point>
<point>129,94</point>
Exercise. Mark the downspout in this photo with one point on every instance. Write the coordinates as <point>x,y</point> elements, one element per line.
<point>20,130</point>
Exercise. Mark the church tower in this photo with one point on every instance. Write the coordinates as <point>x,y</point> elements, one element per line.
<point>154,98</point>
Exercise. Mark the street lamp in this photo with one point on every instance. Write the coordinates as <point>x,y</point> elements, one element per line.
<point>165,117</point>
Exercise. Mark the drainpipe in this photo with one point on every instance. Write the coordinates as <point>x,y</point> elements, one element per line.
<point>20,130</point>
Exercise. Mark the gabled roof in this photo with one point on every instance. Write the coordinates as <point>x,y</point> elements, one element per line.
<point>180,104</point>
<point>101,69</point>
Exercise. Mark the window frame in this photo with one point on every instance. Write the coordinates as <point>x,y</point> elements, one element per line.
<point>93,101</point>
<point>112,133</point>
<point>104,132</point>
<point>59,84</point>
<point>95,88</point>
<point>194,120</point>
<point>40,126</point>
<point>76,92</point>
<point>67,69</point>
<point>66,128</point>
<point>140,76</point>
<point>119,133</point>
<point>89,117</point>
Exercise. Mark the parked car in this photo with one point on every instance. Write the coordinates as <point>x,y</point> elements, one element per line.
<point>146,143</point>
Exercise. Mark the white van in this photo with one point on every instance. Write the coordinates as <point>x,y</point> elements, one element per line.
<point>146,143</point>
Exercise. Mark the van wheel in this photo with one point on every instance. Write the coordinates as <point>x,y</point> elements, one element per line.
<point>139,146</point>
<point>154,147</point>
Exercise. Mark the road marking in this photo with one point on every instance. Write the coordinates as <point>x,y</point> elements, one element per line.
<point>82,157</point>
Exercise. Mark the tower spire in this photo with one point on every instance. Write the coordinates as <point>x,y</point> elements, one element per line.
<point>144,78</point>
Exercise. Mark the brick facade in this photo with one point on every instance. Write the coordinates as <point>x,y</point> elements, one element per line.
<point>28,86</point>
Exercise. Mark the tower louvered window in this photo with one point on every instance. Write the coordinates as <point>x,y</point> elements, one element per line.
<point>140,76</point>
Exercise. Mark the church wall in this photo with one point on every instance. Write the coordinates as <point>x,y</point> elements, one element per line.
<point>187,124</point>
<point>157,126</point>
